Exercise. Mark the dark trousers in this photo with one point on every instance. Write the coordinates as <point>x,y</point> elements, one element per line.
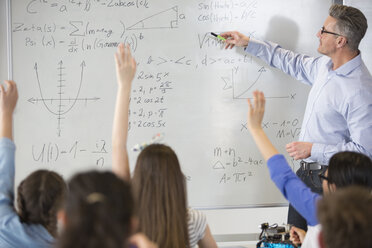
<point>312,180</point>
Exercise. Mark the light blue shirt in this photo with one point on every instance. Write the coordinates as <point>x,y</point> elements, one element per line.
<point>13,233</point>
<point>338,115</point>
<point>293,189</point>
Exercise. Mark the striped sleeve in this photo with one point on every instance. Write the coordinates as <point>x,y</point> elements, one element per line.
<point>197,223</point>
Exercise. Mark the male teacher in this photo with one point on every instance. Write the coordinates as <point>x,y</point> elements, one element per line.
<point>338,113</point>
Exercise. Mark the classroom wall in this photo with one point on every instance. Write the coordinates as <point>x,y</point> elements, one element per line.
<point>243,221</point>
<point>3,55</point>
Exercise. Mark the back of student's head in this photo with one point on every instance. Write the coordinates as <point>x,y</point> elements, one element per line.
<point>350,168</point>
<point>39,198</point>
<point>351,23</point>
<point>160,191</point>
<point>346,218</point>
<point>98,210</point>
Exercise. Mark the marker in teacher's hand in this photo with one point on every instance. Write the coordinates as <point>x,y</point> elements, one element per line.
<point>218,36</point>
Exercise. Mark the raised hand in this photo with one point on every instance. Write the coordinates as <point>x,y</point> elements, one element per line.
<point>8,97</point>
<point>256,111</point>
<point>8,101</point>
<point>125,66</point>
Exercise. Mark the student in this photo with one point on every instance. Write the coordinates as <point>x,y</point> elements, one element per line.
<point>346,218</point>
<point>99,213</point>
<point>159,185</point>
<point>39,197</point>
<point>345,169</point>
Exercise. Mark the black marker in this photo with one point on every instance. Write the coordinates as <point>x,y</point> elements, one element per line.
<point>218,36</point>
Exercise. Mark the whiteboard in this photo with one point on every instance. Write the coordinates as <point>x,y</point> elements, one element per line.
<point>365,45</point>
<point>187,87</point>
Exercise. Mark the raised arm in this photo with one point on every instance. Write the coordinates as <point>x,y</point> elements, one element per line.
<point>8,102</point>
<point>255,116</point>
<point>125,71</point>
<point>293,189</point>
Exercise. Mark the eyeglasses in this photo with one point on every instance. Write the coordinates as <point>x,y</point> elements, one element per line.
<point>322,31</point>
<point>322,177</point>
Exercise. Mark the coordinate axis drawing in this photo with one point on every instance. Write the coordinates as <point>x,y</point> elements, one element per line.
<point>59,104</point>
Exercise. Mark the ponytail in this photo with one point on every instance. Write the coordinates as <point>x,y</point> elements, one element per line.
<point>40,196</point>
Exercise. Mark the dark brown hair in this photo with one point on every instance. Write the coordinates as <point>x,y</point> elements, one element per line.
<point>350,168</point>
<point>99,210</point>
<point>40,196</point>
<point>346,218</point>
<point>160,192</point>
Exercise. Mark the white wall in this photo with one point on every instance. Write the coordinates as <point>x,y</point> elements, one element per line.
<point>3,55</point>
<point>242,221</point>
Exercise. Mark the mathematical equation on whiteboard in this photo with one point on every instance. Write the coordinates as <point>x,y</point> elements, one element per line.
<point>232,167</point>
<point>149,103</point>
<point>282,129</point>
<point>50,152</point>
<point>82,35</point>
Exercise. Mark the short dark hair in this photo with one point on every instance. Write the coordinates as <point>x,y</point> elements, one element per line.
<point>351,22</point>
<point>346,218</point>
<point>99,210</point>
<point>40,196</point>
<point>350,168</point>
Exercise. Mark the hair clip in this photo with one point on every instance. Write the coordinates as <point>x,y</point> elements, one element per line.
<point>95,197</point>
<point>155,139</point>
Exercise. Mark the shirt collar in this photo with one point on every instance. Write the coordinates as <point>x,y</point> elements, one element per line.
<point>349,66</point>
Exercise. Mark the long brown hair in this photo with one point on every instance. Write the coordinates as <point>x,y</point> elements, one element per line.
<point>40,196</point>
<point>160,192</point>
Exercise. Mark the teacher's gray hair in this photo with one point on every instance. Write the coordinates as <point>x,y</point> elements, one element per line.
<point>351,23</point>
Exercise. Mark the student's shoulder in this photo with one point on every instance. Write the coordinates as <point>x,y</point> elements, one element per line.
<point>196,218</point>
<point>194,214</point>
<point>14,233</point>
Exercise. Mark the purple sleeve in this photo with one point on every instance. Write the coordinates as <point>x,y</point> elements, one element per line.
<point>293,189</point>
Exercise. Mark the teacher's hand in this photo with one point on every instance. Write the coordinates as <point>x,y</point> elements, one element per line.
<point>299,150</point>
<point>234,38</point>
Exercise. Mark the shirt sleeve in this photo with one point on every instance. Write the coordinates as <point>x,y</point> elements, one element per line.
<point>299,66</point>
<point>357,112</point>
<point>197,226</point>
<point>293,189</point>
<point>7,153</point>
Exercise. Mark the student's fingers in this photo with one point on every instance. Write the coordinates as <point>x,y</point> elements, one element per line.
<point>256,99</point>
<point>117,61</point>
<point>126,54</point>
<point>134,63</point>
<point>260,101</point>
<point>250,107</point>
<point>8,85</point>
<point>129,52</point>
<point>2,91</point>
<point>13,89</point>
<point>121,53</point>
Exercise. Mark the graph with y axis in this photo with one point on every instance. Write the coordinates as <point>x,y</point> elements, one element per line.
<point>59,103</point>
<point>245,92</point>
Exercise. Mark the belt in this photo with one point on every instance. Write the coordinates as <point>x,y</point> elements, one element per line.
<point>311,166</point>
